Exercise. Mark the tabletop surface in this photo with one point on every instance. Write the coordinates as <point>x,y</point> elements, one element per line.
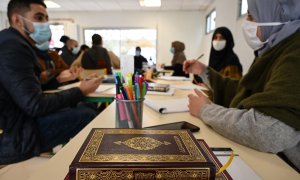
<point>265,165</point>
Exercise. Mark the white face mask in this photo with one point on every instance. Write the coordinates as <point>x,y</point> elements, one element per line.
<point>250,30</point>
<point>219,45</point>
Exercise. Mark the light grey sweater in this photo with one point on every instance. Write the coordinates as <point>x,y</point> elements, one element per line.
<point>253,129</point>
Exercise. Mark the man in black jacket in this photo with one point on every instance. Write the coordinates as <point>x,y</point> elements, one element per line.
<point>30,121</point>
<point>96,57</point>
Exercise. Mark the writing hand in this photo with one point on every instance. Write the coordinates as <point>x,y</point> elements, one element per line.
<point>193,66</point>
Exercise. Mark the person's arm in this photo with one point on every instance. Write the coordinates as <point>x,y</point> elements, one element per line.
<point>250,128</point>
<point>223,89</point>
<point>107,62</point>
<point>19,77</point>
<point>77,61</point>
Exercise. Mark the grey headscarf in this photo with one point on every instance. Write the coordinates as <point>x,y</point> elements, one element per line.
<point>287,11</point>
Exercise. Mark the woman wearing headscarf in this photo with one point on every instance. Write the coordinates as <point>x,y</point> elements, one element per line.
<point>222,58</point>
<point>262,110</point>
<point>177,49</point>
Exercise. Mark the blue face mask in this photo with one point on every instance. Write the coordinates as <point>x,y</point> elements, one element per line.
<point>44,46</point>
<point>75,50</point>
<point>41,33</point>
<point>172,50</point>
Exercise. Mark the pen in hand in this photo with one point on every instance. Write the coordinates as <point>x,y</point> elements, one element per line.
<point>185,68</point>
<point>200,57</point>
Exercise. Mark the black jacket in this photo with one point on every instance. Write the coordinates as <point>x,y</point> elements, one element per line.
<point>67,55</point>
<point>96,58</point>
<point>22,99</point>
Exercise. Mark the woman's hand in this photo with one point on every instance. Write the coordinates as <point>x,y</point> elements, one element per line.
<point>193,66</point>
<point>197,101</point>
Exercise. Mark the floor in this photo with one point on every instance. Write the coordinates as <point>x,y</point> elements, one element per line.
<point>22,170</point>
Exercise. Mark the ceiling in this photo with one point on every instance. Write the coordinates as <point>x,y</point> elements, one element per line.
<point>123,5</point>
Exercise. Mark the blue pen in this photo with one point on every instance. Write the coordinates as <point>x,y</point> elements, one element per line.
<point>137,91</point>
<point>117,85</point>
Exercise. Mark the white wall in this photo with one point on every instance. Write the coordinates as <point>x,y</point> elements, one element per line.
<point>3,20</point>
<point>183,26</point>
<point>227,15</point>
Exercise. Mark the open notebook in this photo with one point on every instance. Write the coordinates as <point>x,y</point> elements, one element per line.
<point>168,106</point>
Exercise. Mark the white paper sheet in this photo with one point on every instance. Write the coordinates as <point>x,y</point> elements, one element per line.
<point>238,169</point>
<point>189,87</point>
<point>174,78</point>
<point>168,106</point>
<point>171,92</point>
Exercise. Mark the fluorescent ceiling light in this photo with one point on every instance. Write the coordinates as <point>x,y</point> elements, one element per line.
<point>51,4</point>
<point>150,3</point>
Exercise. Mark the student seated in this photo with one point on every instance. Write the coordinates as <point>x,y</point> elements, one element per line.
<point>97,57</point>
<point>139,60</point>
<point>54,71</point>
<point>262,110</point>
<point>222,58</point>
<point>30,121</point>
<point>177,49</point>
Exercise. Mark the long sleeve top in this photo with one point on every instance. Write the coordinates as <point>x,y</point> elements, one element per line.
<point>262,110</point>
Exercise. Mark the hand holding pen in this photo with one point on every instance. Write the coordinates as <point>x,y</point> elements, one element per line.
<point>194,66</point>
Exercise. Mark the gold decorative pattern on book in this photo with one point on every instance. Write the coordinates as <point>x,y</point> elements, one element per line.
<point>142,173</point>
<point>90,154</point>
<point>142,143</point>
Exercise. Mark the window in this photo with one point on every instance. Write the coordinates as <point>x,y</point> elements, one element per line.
<point>124,41</point>
<point>57,31</point>
<point>243,7</point>
<point>211,21</point>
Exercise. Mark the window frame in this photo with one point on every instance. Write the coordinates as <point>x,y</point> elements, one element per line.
<point>210,30</point>
<point>154,58</point>
<point>240,14</point>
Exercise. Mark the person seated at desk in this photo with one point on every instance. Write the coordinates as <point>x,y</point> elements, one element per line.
<point>77,62</point>
<point>262,110</point>
<point>96,57</point>
<point>222,58</point>
<point>139,60</point>
<point>54,71</point>
<point>32,122</point>
<point>177,49</point>
<point>69,51</point>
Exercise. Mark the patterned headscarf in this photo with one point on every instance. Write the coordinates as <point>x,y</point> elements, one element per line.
<point>286,11</point>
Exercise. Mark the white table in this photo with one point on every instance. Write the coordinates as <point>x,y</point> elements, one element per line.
<point>265,165</point>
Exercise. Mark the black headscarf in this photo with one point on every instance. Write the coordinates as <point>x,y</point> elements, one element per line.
<point>220,59</point>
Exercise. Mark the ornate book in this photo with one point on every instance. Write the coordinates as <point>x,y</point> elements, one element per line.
<point>142,154</point>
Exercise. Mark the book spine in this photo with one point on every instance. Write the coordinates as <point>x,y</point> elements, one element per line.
<point>145,174</point>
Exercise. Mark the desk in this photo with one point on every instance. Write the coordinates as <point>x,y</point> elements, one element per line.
<point>164,71</point>
<point>267,166</point>
<point>104,93</point>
